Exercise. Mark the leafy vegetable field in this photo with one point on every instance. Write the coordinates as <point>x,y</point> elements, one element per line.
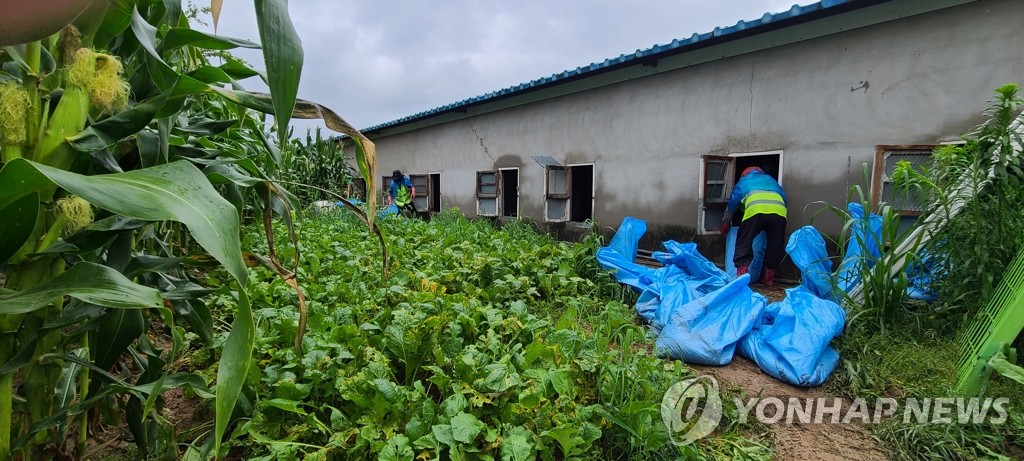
<point>480,344</point>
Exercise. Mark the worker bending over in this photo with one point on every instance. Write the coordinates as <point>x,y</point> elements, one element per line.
<point>764,209</point>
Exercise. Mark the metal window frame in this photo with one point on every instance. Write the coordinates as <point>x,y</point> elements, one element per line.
<point>593,189</point>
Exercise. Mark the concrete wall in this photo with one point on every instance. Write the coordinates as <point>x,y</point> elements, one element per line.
<point>824,102</point>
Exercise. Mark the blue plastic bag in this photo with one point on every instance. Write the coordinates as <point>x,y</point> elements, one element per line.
<point>706,330</point>
<point>791,341</point>
<point>862,249</point>
<point>620,255</point>
<point>702,275</point>
<point>807,249</point>
<point>754,269</point>
<point>390,210</point>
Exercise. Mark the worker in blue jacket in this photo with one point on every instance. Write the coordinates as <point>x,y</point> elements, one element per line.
<point>764,209</point>
<point>401,192</point>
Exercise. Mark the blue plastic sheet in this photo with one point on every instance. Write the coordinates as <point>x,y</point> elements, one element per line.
<point>754,269</point>
<point>390,210</point>
<point>620,254</point>
<point>792,341</point>
<point>921,275</point>
<point>698,314</point>
<point>807,249</point>
<point>862,249</point>
<point>701,315</point>
<point>706,330</point>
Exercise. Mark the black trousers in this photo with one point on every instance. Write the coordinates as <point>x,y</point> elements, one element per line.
<point>773,225</point>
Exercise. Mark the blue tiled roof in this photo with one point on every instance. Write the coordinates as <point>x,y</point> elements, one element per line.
<point>695,40</point>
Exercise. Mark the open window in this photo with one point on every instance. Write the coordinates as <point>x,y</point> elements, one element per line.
<point>556,193</point>
<point>421,183</point>
<point>718,175</point>
<point>509,192</point>
<point>904,203</point>
<point>487,193</point>
<point>569,193</point>
<point>716,185</point>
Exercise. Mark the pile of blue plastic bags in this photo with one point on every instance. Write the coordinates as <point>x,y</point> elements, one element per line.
<point>703,315</point>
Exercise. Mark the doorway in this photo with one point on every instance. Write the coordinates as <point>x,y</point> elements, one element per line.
<point>581,200</point>
<point>435,192</point>
<point>510,192</point>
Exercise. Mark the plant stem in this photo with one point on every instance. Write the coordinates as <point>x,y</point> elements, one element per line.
<point>33,57</point>
<point>83,421</point>
<point>6,396</point>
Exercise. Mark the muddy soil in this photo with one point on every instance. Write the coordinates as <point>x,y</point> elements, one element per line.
<point>822,441</point>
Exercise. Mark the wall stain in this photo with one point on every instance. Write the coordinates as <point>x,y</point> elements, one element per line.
<point>864,85</point>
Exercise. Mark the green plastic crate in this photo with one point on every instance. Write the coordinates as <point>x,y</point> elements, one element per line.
<point>996,325</point>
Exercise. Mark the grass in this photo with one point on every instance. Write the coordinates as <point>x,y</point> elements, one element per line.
<point>917,360</point>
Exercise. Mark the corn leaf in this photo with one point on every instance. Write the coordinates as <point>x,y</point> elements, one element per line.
<point>180,36</point>
<point>176,191</point>
<point>282,55</point>
<point>235,360</point>
<point>20,219</point>
<point>215,6</point>
<point>118,127</point>
<point>1005,368</point>
<point>89,282</point>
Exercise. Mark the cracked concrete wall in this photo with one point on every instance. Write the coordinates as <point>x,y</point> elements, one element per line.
<point>825,102</point>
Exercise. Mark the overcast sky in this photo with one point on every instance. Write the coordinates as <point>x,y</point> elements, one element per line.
<point>374,61</point>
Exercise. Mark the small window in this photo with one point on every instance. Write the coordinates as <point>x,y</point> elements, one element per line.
<point>716,186</point>
<point>904,203</point>
<point>421,183</point>
<point>487,188</point>
<point>557,193</point>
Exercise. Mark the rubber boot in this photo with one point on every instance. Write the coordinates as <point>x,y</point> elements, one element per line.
<point>740,270</point>
<point>769,278</point>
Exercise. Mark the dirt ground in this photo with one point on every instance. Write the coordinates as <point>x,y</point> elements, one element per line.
<point>827,442</point>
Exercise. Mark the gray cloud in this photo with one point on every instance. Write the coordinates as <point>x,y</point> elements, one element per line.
<point>373,62</point>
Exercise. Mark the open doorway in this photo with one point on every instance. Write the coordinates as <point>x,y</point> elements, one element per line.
<point>435,192</point>
<point>581,200</point>
<point>509,192</point>
<point>718,176</point>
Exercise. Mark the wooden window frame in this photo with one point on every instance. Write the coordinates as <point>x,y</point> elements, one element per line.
<point>496,196</point>
<point>878,177</point>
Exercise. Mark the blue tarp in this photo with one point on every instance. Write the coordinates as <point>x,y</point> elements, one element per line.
<point>706,330</point>
<point>862,249</point>
<point>700,316</point>
<point>807,249</point>
<point>791,342</point>
<point>390,210</point>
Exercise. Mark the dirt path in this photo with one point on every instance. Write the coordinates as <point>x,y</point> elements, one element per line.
<point>827,442</point>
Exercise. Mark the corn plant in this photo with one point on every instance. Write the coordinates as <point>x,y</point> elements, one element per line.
<point>118,136</point>
<point>320,162</point>
<point>978,191</point>
<point>873,259</point>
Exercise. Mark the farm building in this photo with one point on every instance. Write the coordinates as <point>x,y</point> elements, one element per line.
<point>811,95</point>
